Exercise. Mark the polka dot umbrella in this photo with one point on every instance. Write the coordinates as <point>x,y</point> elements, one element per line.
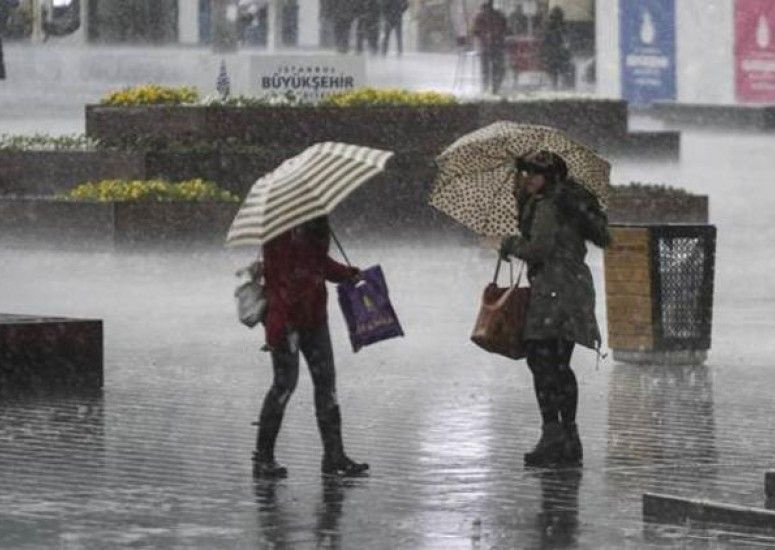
<point>476,173</point>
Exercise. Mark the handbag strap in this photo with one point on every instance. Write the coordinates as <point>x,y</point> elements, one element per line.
<point>339,246</point>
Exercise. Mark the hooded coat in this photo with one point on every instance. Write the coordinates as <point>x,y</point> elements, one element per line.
<point>554,229</point>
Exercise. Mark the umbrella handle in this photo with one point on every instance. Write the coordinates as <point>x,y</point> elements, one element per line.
<point>339,246</point>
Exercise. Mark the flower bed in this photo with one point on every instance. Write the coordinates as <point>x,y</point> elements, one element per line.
<point>149,190</point>
<point>152,94</point>
<point>121,213</point>
<point>373,97</point>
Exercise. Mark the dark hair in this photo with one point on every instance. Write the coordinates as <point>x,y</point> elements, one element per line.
<point>318,228</point>
<point>549,164</point>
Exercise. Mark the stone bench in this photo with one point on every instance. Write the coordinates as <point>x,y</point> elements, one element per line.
<point>681,511</point>
<point>47,354</point>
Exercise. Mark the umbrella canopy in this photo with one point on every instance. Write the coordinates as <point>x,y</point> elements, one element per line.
<point>304,187</point>
<point>476,173</point>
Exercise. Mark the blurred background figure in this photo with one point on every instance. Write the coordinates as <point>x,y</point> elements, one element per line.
<point>368,26</point>
<point>393,15</point>
<point>253,19</point>
<point>519,24</point>
<point>579,16</point>
<point>5,12</point>
<point>343,14</point>
<point>490,28</point>
<point>555,53</point>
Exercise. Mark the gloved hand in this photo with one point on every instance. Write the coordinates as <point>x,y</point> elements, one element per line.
<point>507,246</point>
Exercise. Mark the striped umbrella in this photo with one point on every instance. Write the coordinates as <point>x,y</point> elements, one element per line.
<point>304,187</point>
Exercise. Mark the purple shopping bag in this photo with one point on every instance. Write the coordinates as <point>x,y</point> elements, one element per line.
<point>367,310</point>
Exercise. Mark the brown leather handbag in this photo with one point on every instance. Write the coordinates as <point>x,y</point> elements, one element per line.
<point>501,322</point>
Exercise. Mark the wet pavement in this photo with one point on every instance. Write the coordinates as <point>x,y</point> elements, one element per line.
<point>161,459</point>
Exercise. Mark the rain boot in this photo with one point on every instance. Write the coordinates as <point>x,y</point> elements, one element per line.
<point>549,451</point>
<point>264,463</point>
<point>335,462</point>
<point>573,451</point>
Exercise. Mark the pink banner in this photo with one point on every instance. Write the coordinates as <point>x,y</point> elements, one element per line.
<point>755,50</point>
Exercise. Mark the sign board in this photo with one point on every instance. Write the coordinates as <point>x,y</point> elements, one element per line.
<point>755,50</point>
<point>647,43</point>
<point>309,77</point>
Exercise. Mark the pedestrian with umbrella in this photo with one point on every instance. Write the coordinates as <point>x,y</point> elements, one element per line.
<point>543,194</point>
<point>286,214</point>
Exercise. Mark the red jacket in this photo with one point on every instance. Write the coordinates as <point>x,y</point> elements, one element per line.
<point>296,268</point>
<point>491,27</point>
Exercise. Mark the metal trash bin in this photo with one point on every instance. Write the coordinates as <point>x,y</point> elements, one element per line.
<point>659,293</point>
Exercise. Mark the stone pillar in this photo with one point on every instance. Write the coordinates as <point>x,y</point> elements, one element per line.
<point>84,30</point>
<point>224,26</point>
<point>274,20</point>
<point>37,21</point>
<point>188,21</point>
<point>309,24</point>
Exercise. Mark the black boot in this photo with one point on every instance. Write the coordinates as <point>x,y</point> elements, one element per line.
<point>550,448</point>
<point>335,461</point>
<point>573,451</point>
<point>264,464</point>
<point>267,467</point>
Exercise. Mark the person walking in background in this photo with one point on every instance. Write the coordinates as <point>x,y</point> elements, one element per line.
<point>519,23</point>
<point>368,26</point>
<point>5,12</point>
<point>490,29</point>
<point>344,12</point>
<point>555,54</point>
<point>393,16</point>
<point>296,268</point>
<point>557,217</point>
<point>3,19</point>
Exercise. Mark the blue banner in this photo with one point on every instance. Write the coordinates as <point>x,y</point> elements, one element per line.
<point>647,49</point>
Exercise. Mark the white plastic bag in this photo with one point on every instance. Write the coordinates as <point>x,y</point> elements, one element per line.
<point>251,295</point>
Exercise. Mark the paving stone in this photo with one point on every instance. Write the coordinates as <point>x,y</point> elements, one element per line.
<point>162,458</point>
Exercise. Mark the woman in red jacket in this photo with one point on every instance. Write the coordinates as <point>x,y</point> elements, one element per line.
<point>296,268</point>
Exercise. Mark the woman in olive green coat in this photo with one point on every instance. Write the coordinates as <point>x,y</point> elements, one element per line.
<point>557,217</point>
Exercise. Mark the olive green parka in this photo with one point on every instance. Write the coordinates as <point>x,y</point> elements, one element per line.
<point>554,229</point>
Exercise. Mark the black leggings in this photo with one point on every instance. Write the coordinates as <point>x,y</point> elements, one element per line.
<point>315,345</point>
<point>555,384</point>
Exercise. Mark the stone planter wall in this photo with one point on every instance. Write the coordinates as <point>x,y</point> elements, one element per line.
<point>683,115</point>
<point>427,130</point>
<point>633,207</point>
<point>51,172</point>
<point>58,223</point>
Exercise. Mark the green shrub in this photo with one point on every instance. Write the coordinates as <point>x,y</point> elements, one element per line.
<point>373,97</point>
<point>287,99</point>
<point>150,190</point>
<point>152,94</point>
